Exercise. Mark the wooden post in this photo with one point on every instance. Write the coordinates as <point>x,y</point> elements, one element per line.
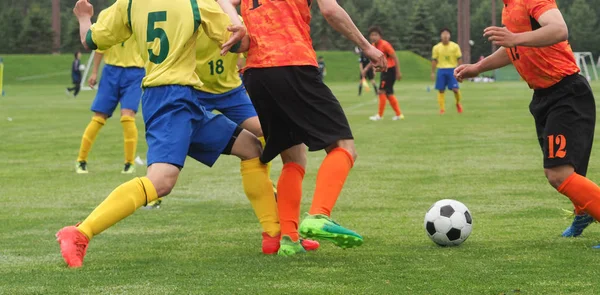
<point>464,29</point>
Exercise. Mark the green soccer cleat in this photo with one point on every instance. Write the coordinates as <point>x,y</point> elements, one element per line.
<point>288,247</point>
<point>154,204</point>
<point>321,227</point>
<point>129,168</point>
<point>81,167</point>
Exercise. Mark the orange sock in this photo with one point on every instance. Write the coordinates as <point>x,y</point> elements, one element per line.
<point>330,180</point>
<point>382,98</point>
<point>584,193</point>
<point>289,195</point>
<point>395,105</point>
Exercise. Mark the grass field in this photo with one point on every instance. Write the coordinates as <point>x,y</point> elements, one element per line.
<point>205,239</point>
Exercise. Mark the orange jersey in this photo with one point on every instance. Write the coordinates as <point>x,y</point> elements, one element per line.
<point>279,32</point>
<point>388,50</point>
<point>544,66</point>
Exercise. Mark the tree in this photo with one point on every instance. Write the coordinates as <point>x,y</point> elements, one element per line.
<point>420,36</point>
<point>11,24</point>
<point>36,36</point>
<point>583,27</point>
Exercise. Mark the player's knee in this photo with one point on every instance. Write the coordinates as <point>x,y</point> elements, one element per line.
<point>295,154</point>
<point>557,175</point>
<point>253,125</point>
<point>101,115</point>
<point>246,146</point>
<point>127,112</point>
<point>346,144</point>
<point>164,177</point>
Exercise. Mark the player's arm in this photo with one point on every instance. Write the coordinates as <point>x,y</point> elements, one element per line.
<point>98,55</point>
<point>338,19</point>
<point>398,72</point>
<point>497,60</point>
<point>553,30</point>
<point>111,28</point>
<point>226,30</point>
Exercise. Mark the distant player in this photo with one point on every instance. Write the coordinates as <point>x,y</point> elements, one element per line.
<point>75,75</point>
<point>322,67</point>
<point>121,83</point>
<point>296,108</point>
<point>223,91</point>
<point>445,57</point>
<point>177,125</point>
<point>563,106</point>
<point>368,75</point>
<point>388,78</point>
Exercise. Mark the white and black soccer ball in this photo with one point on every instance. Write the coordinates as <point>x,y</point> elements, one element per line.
<point>81,68</point>
<point>448,223</point>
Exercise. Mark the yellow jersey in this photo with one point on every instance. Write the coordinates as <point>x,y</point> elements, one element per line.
<point>219,74</point>
<point>447,56</point>
<point>126,55</point>
<point>166,33</point>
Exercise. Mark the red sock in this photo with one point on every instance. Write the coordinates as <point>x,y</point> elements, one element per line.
<point>289,195</point>
<point>583,193</point>
<point>330,180</point>
<point>395,105</point>
<point>382,98</point>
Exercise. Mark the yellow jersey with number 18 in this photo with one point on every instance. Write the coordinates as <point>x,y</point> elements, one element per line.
<point>165,32</point>
<point>219,74</point>
<point>447,56</point>
<point>126,55</point>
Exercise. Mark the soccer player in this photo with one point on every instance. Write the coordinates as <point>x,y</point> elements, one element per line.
<point>75,75</point>
<point>388,78</point>
<point>121,82</point>
<point>369,75</point>
<point>563,106</point>
<point>223,91</point>
<point>322,67</point>
<point>445,57</point>
<point>296,108</point>
<point>177,125</point>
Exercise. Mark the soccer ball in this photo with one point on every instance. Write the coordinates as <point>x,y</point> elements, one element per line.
<point>448,223</point>
<point>82,68</point>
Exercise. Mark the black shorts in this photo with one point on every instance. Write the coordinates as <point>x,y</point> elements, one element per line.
<point>388,79</point>
<point>369,75</point>
<point>565,118</point>
<point>294,106</point>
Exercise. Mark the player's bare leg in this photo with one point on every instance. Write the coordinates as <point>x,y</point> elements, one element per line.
<point>122,202</point>
<point>87,140</point>
<point>457,98</point>
<point>330,181</point>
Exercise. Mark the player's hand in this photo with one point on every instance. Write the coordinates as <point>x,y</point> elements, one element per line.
<point>501,36</point>
<point>398,75</point>
<point>377,58</point>
<point>83,9</point>
<point>433,77</point>
<point>92,80</point>
<point>466,71</point>
<point>238,33</point>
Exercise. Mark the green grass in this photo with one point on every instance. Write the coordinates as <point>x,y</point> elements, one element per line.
<point>205,239</point>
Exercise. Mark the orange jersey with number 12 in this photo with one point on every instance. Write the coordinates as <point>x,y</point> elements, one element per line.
<point>540,67</point>
<point>279,32</point>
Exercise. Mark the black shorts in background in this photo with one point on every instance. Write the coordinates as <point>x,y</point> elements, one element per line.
<point>388,79</point>
<point>369,75</point>
<point>565,118</point>
<point>294,106</point>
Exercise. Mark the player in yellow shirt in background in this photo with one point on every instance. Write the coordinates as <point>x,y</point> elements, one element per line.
<point>446,56</point>
<point>223,91</point>
<point>121,82</point>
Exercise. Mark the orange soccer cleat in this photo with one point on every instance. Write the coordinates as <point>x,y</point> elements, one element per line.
<point>270,245</point>
<point>459,108</point>
<point>73,245</point>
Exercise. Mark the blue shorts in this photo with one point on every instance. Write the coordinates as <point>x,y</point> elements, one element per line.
<point>445,79</point>
<point>234,104</point>
<point>177,125</point>
<point>118,85</point>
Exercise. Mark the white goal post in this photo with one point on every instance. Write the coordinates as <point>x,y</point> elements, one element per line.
<point>87,71</point>
<point>584,61</point>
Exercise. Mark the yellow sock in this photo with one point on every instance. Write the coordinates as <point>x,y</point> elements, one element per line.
<point>441,101</point>
<point>457,96</point>
<point>263,142</point>
<point>259,190</point>
<point>89,136</point>
<point>130,134</point>
<point>122,202</point>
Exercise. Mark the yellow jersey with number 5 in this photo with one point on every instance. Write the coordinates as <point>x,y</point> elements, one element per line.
<point>447,56</point>
<point>166,33</point>
<point>219,74</point>
<point>126,55</point>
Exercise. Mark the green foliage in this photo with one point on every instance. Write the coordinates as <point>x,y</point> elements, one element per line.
<point>36,35</point>
<point>10,23</point>
<point>419,38</point>
<point>583,26</point>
